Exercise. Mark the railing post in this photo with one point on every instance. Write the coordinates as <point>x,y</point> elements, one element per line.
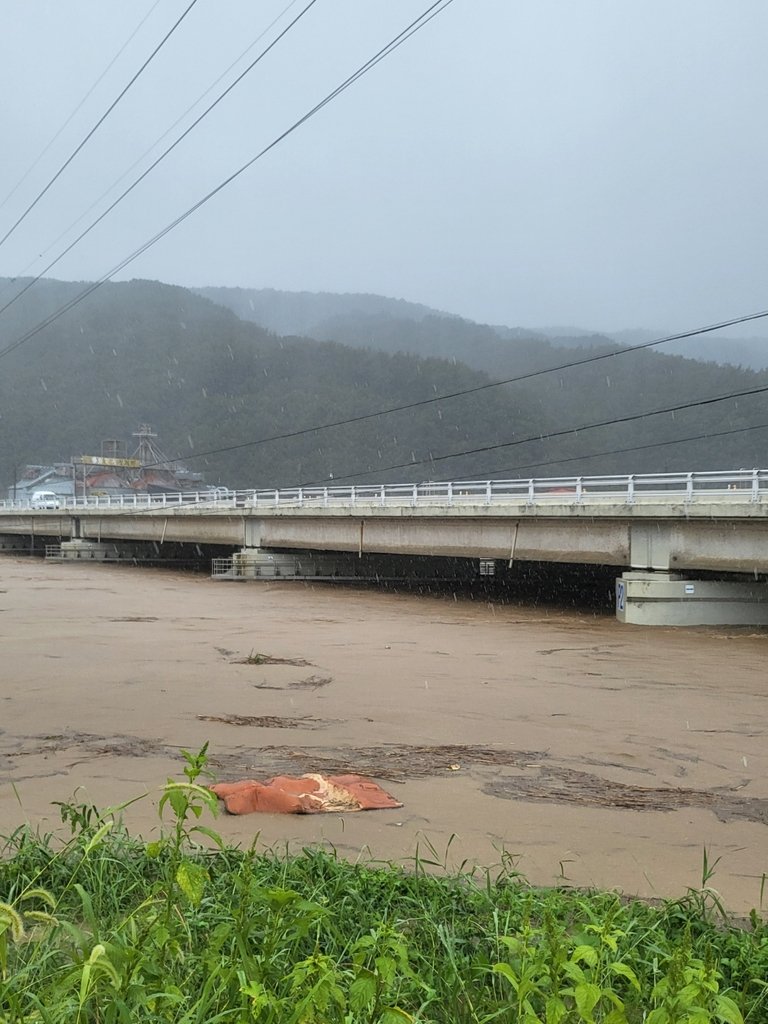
<point>352,495</point>
<point>487,492</point>
<point>630,489</point>
<point>531,491</point>
<point>383,495</point>
<point>450,492</point>
<point>415,498</point>
<point>689,487</point>
<point>755,485</point>
<point>579,488</point>
<point>301,496</point>
<point>325,496</point>
<point>277,497</point>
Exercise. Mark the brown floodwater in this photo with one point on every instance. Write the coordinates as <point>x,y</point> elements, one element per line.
<point>590,753</point>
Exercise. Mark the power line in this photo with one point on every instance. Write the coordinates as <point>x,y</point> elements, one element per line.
<point>98,124</point>
<point>624,451</point>
<point>79,106</point>
<point>435,8</point>
<point>634,417</point>
<point>466,391</point>
<point>160,138</point>
<point>159,160</point>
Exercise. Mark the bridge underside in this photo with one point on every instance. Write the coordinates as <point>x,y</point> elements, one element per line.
<point>679,545</point>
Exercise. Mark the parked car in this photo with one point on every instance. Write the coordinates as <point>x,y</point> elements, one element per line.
<point>45,499</point>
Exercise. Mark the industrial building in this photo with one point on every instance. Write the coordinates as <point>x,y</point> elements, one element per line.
<point>115,470</point>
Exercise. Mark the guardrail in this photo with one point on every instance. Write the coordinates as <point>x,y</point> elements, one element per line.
<point>737,486</point>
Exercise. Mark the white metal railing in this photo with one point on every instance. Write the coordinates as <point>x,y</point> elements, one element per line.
<point>737,486</point>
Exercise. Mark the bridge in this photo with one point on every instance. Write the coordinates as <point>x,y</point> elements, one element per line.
<point>666,533</point>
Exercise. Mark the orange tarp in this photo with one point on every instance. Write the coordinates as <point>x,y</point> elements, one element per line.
<point>308,794</point>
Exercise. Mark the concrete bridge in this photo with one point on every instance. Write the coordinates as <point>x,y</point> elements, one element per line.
<point>668,532</point>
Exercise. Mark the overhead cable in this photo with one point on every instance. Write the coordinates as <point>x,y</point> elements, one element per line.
<point>159,159</point>
<point>79,106</point>
<point>160,138</point>
<point>98,124</point>
<point>485,473</point>
<point>418,23</point>
<point>548,436</point>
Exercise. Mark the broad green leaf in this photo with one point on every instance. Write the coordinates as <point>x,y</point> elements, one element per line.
<point>584,954</point>
<point>587,997</point>
<point>394,1015</point>
<point>555,1010</point>
<point>507,972</point>
<point>624,971</point>
<point>191,879</point>
<point>726,1010</point>
<point>362,991</point>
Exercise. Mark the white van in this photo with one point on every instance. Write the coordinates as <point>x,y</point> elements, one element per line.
<point>45,499</point>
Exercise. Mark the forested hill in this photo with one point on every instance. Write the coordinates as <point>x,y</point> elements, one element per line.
<point>373,320</point>
<point>206,379</point>
<point>309,313</point>
<point>144,351</point>
<point>607,390</point>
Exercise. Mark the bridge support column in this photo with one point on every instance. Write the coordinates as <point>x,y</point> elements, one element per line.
<point>670,599</point>
<point>261,563</point>
<point>86,551</point>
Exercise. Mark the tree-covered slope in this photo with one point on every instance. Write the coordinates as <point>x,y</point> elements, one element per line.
<point>143,351</point>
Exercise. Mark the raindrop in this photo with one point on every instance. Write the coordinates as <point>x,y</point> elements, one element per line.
<point>205,392</point>
<point>119,400</point>
<point>43,385</point>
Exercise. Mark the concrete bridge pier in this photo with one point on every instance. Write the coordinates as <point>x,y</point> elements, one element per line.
<point>263,563</point>
<point>87,550</point>
<point>672,599</point>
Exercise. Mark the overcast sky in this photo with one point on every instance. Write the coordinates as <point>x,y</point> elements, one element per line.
<point>599,163</point>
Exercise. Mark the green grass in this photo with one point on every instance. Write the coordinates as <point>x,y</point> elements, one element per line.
<point>108,929</point>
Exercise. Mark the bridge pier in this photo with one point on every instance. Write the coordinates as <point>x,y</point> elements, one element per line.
<point>671,599</point>
<point>87,550</point>
<point>262,563</point>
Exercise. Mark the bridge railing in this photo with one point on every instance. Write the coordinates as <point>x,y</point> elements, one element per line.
<point>741,485</point>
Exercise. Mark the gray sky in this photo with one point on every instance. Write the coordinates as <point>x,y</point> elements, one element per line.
<point>542,162</point>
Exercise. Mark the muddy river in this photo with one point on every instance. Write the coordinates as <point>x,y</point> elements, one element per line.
<point>582,751</point>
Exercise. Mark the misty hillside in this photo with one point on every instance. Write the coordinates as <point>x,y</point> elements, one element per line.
<point>307,313</point>
<point>325,315</point>
<point>604,390</point>
<point>144,351</point>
